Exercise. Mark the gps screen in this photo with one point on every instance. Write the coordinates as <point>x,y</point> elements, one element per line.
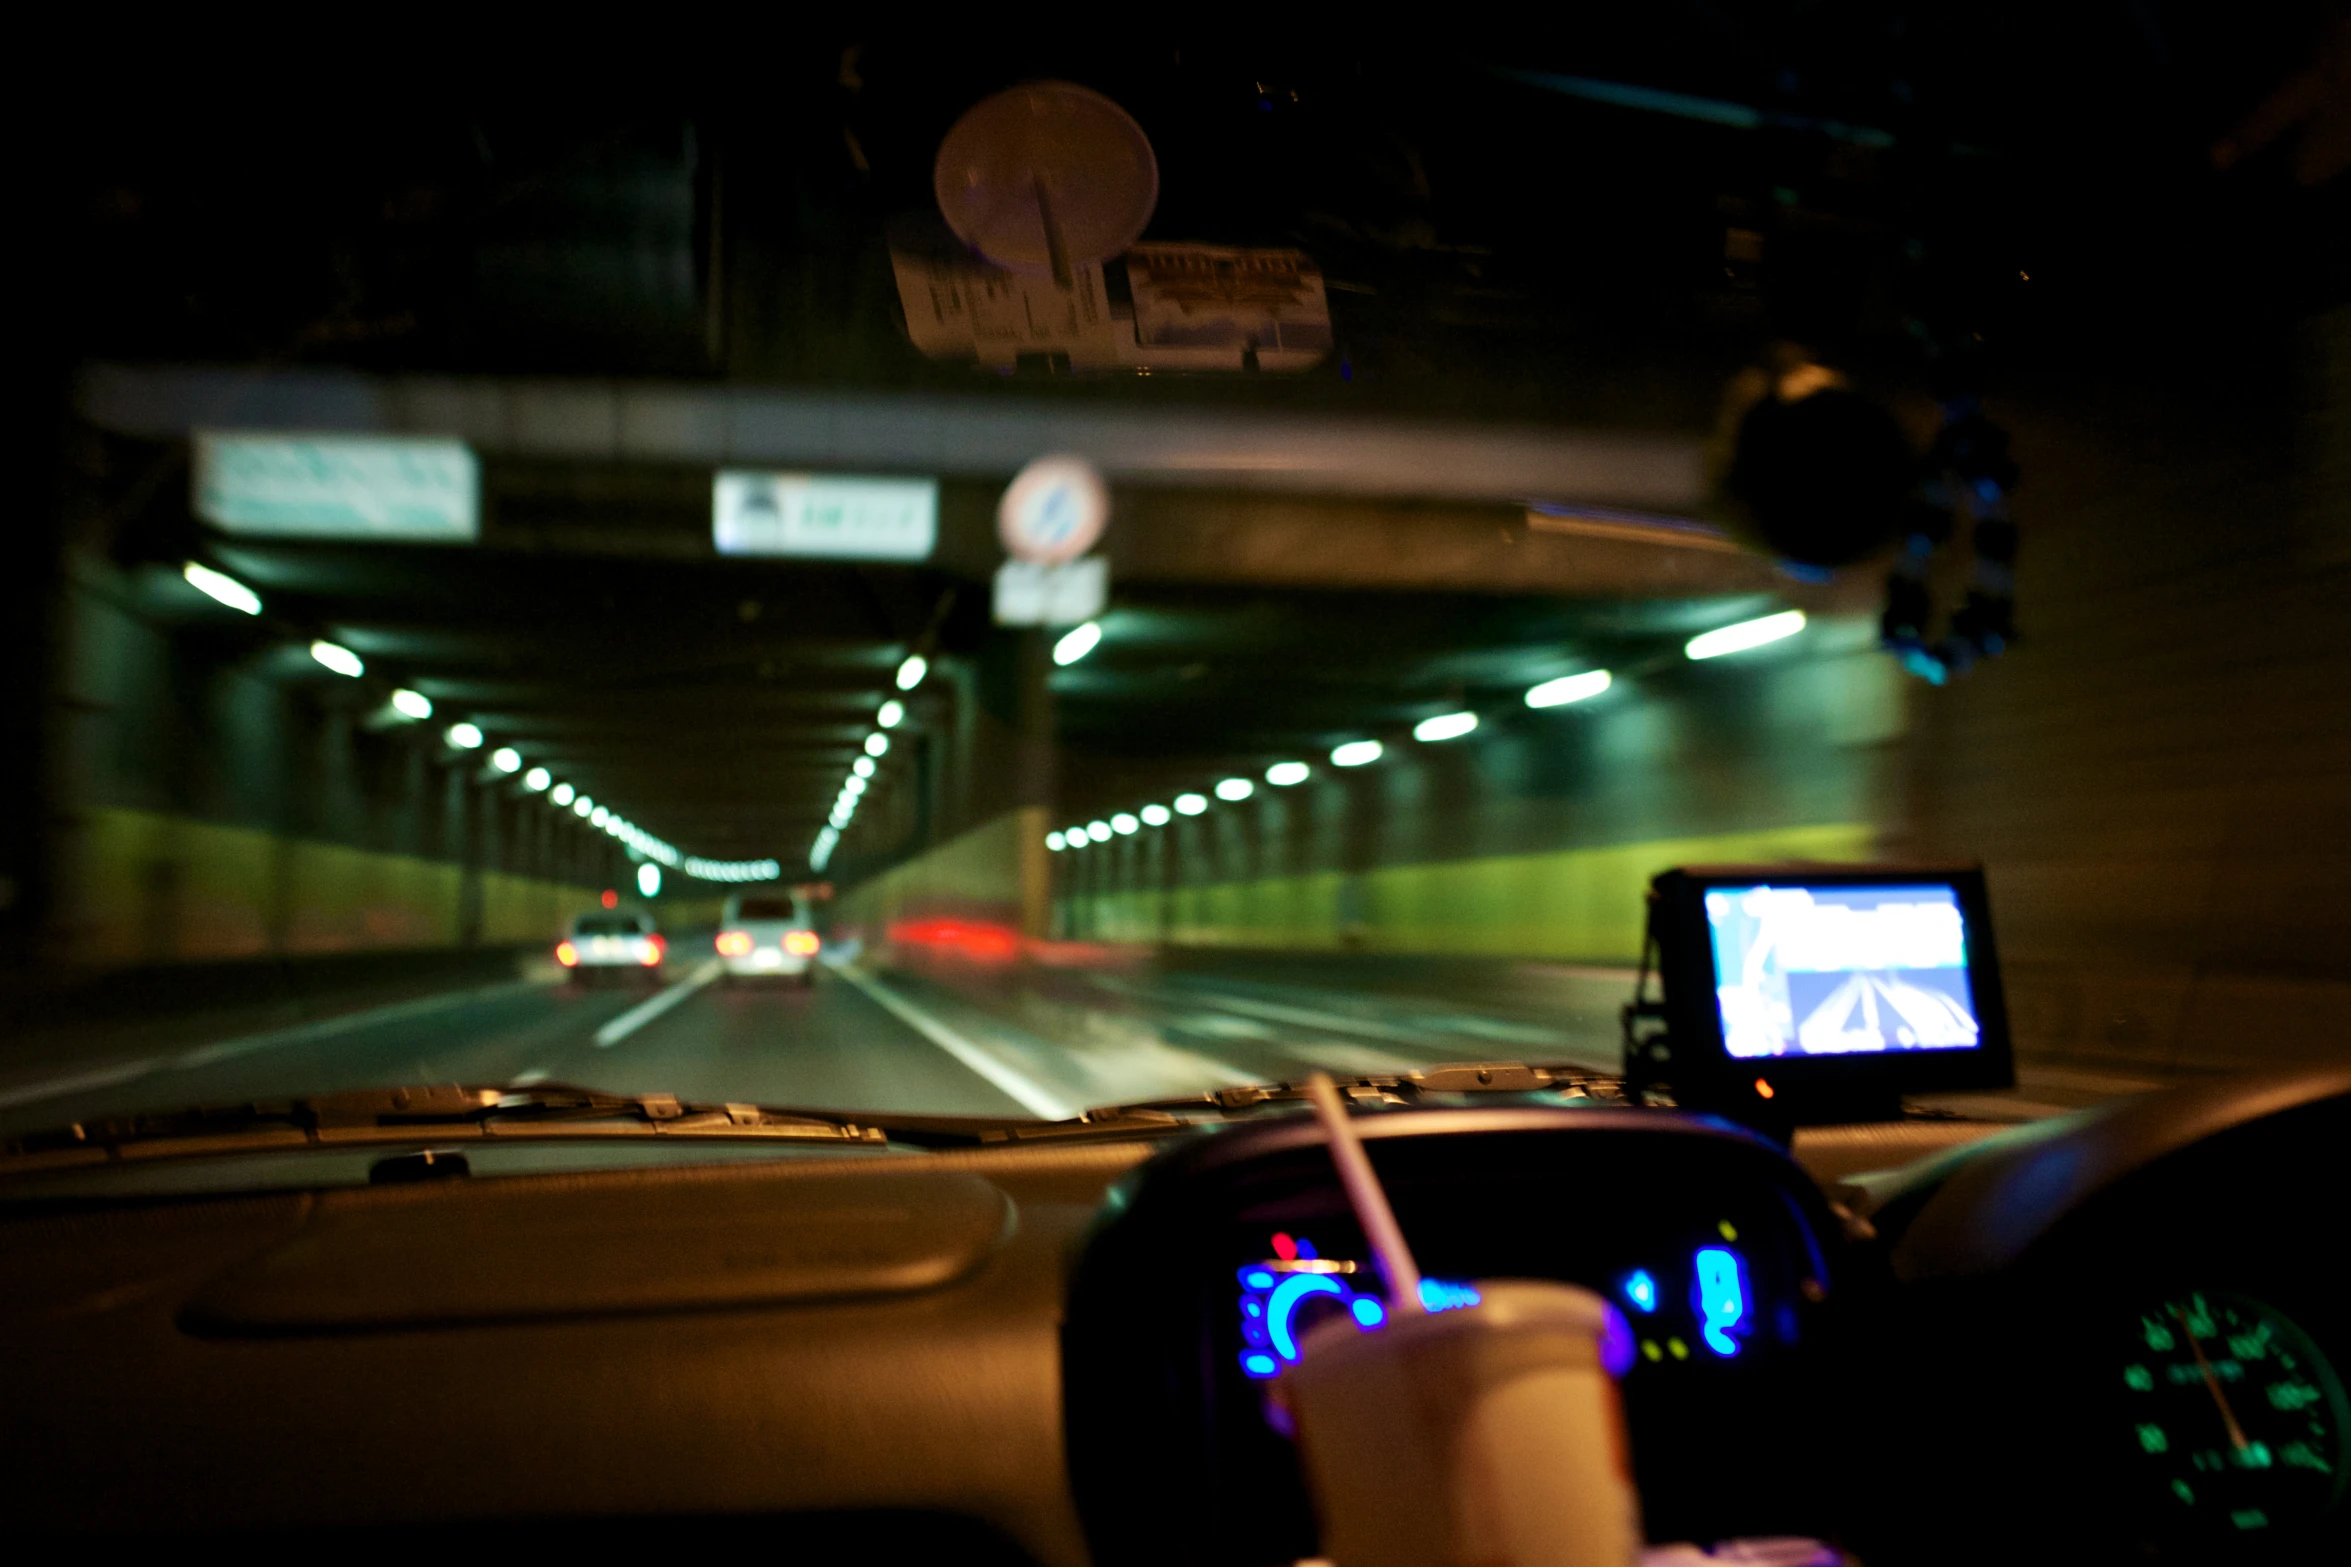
<point>1841,970</point>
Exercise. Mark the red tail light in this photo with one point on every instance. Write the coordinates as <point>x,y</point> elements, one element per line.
<point>734,943</point>
<point>650,953</point>
<point>566,954</point>
<point>800,943</point>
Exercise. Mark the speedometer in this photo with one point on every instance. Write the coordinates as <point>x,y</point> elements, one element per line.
<point>2234,1414</point>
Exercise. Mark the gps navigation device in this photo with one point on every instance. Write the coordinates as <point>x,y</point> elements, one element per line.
<point>1808,993</point>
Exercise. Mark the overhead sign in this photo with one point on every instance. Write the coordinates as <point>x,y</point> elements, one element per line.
<point>1031,594</point>
<point>958,307</point>
<point>338,487</point>
<point>1054,510</point>
<point>1210,307</point>
<point>824,515</point>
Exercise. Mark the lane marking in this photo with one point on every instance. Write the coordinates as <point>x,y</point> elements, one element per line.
<point>1329,1022</point>
<point>1353,1060</point>
<point>1029,1096</point>
<point>645,1012</point>
<point>329,1028</point>
<point>57,1087</point>
<point>537,1074</point>
<point>1223,1027</point>
<point>1505,1033</point>
<point>249,1044</point>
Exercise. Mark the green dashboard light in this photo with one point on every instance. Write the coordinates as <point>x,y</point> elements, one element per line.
<point>2233,1411</point>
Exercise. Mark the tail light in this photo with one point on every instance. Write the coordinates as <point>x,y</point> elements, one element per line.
<point>800,943</point>
<point>734,943</point>
<point>651,952</point>
<point>567,954</point>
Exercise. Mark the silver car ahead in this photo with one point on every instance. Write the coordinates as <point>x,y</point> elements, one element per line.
<point>767,937</point>
<point>622,947</point>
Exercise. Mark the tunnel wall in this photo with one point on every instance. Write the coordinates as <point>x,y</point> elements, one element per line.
<point>146,887</point>
<point>2159,775</point>
<point>1571,904</point>
<point>216,795</point>
<point>991,879</point>
<point>1535,836</point>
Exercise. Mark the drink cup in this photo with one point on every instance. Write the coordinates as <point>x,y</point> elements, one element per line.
<point>1483,1436</point>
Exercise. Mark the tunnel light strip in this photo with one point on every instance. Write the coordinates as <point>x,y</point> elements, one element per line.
<point>1569,688</point>
<point>340,659</point>
<point>1445,726</point>
<point>1077,643</point>
<point>1746,634</point>
<point>732,870</point>
<point>221,588</point>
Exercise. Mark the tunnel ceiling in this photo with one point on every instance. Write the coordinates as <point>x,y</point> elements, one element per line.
<point>719,704</point>
<point>1500,244</point>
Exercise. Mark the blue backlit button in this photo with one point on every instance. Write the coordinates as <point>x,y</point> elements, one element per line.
<point>1279,1310</point>
<point>1257,1363</point>
<point>1253,1334</point>
<point>1722,1297</point>
<point>1442,1295</point>
<point>1640,1288</point>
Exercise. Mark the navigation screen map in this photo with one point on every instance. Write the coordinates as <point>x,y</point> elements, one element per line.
<point>1815,971</point>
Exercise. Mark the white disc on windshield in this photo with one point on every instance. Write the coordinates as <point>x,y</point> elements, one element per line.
<point>1053,510</point>
<point>1046,177</point>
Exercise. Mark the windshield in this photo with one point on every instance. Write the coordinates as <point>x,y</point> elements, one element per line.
<point>606,925</point>
<point>1257,581</point>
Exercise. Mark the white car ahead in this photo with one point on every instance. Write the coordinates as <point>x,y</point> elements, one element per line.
<point>623,947</point>
<point>767,937</point>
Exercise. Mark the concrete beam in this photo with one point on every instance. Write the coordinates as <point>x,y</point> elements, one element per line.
<point>654,422</point>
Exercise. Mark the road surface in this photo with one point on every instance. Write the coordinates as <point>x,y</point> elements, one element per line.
<point>1030,1042</point>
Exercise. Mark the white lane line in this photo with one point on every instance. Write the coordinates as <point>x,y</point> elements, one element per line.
<point>537,1074</point>
<point>1037,1101</point>
<point>1505,1033</point>
<point>1352,1059</point>
<point>645,1012</point>
<point>248,1044</point>
<point>1330,1022</point>
<point>58,1087</point>
<point>328,1028</point>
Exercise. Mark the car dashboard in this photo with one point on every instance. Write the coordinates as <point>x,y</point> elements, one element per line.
<point>2109,1336</point>
<point>1190,1298</point>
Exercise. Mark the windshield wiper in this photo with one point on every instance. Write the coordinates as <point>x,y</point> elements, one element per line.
<point>451,1113</point>
<point>439,1113</point>
<point>1551,1085</point>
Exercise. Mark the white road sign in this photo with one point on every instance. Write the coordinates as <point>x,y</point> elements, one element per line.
<point>1029,594</point>
<point>825,515</point>
<point>338,487</point>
